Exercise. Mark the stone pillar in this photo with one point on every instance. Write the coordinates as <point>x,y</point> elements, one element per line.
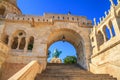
<point>104,36</point>
<point>115,23</point>
<point>26,45</point>
<point>10,41</point>
<point>110,32</point>
<point>19,40</point>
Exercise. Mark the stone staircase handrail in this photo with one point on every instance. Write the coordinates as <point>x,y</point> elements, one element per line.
<point>28,72</point>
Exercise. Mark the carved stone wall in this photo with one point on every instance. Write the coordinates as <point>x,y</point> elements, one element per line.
<point>19,29</point>
<point>106,49</point>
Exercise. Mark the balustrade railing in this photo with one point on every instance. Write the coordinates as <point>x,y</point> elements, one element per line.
<point>28,72</point>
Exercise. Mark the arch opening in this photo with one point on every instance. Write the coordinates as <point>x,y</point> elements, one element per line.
<point>31,42</point>
<point>100,38</point>
<point>19,40</point>
<point>66,48</point>
<point>72,37</point>
<point>112,28</point>
<point>107,33</point>
<point>15,43</point>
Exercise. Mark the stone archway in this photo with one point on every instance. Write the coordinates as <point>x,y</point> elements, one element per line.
<point>74,38</point>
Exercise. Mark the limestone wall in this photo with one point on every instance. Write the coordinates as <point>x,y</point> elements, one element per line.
<point>44,34</point>
<point>108,62</point>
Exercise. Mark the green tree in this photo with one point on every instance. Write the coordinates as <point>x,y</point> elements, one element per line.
<point>70,60</point>
<point>56,53</point>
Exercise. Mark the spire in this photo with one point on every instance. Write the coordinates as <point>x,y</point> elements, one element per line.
<point>95,21</point>
<point>105,13</point>
<point>100,19</point>
<point>112,3</point>
<point>69,13</point>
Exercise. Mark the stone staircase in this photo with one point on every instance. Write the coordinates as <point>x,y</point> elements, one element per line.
<point>70,72</point>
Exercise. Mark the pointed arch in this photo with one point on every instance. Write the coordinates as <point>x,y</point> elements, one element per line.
<point>106,32</point>
<point>31,42</point>
<point>112,28</point>
<point>15,43</point>
<point>100,38</point>
<point>22,43</point>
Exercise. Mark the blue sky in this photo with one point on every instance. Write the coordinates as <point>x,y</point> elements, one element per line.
<point>88,8</point>
<point>66,48</point>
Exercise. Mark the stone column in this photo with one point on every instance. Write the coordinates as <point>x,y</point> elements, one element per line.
<point>26,45</point>
<point>19,40</point>
<point>115,23</point>
<point>10,41</point>
<point>110,32</point>
<point>104,36</point>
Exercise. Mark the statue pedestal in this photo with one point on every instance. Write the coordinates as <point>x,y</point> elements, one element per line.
<point>56,60</point>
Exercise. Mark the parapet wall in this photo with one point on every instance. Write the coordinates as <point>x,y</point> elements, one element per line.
<point>50,18</point>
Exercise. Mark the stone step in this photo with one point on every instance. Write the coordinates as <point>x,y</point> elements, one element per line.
<point>61,70</point>
<point>81,76</point>
<point>70,72</point>
<point>73,78</point>
<point>55,67</point>
<point>67,72</point>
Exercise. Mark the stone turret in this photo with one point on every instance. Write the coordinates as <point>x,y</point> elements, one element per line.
<point>8,7</point>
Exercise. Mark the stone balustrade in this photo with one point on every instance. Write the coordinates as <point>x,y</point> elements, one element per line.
<point>107,32</point>
<point>28,72</point>
<point>112,68</point>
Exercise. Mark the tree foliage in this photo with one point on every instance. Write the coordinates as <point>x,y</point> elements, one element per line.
<point>70,60</point>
